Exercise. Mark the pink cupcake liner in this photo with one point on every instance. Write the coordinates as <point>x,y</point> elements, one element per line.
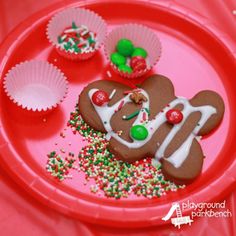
<point>35,85</point>
<point>141,36</point>
<point>80,16</point>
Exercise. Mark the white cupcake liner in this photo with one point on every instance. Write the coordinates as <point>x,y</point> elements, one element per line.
<point>35,85</point>
<point>141,36</point>
<point>80,16</point>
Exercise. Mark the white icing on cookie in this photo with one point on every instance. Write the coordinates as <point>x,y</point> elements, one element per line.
<point>178,157</point>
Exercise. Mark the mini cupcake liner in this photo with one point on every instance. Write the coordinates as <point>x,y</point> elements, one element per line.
<point>80,16</point>
<point>35,85</point>
<point>141,36</point>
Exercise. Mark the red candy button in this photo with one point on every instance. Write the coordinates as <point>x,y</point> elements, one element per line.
<point>138,63</point>
<point>174,116</point>
<point>100,98</point>
<point>135,60</point>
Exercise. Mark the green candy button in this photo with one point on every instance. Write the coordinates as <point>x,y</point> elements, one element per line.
<point>125,69</point>
<point>118,59</point>
<point>125,47</point>
<point>139,52</point>
<point>139,132</point>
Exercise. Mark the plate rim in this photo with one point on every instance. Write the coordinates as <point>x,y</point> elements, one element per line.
<point>228,184</point>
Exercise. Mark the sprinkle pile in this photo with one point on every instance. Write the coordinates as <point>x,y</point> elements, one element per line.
<point>77,39</point>
<point>58,166</point>
<point>112,176</point>
<point>77,124</point>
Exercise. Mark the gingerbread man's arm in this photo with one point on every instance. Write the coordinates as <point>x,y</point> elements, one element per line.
<point>211,98</point>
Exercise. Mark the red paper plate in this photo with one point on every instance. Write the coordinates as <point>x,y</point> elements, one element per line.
<point>195,56</point>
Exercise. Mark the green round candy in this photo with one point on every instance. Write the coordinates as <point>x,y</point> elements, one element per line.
<point>125,68</point>
<point>139,52</point>
<point>139,132</point>
<point>118,59</point>
<point>125,47</point>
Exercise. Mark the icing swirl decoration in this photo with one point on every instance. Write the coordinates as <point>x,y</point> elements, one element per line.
<point>143,129</point>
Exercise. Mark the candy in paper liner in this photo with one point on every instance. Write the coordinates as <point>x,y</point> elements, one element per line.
<point>36,85</point>
<point>79,16</point>
<point>141,36</point>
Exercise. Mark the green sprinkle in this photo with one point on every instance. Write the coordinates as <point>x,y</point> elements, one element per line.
<point>59,40</point>
<point>91,41</point>
<point>67,46</point>
<point>147,110</point>
<point>74,25</point>
<point>76,49</point>
<point>52,154</point>
<point>129,117</point>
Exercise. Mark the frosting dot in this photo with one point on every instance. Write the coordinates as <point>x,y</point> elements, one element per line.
<point>100,98</point>
<point>174,116</point>
<point>139,132</point>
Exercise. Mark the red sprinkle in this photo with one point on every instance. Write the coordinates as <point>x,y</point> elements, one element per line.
<point>121,105</point>
<point>144,116</point>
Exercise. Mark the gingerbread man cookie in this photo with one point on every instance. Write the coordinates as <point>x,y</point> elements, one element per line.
<point>152,122</point>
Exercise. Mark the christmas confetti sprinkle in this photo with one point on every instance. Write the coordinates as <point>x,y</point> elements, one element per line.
<point>77,39</point>
<point>58,166</point>
<point>109,74</point>
<point>112,176</point>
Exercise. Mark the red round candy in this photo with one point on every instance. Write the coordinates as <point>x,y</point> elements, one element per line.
<point>174,116</point>
<point>100,98</point>
<point>136,60</point>
<point>140,67</point>
<point>138,63</point>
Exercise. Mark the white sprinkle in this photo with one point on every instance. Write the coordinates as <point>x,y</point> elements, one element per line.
<point>198,138</point>
<point>84,32</point>
<point>80,29</point>
<point>92,35</point>
<point>234,12</point>
<point>112,94</point>
<point>84,26</point>
<point>82,41</point>
<point>109,74</point>
<point>69,31</point>
<point>62,150</point>
<point>62,45</point>
<point>71,41</point>
<point>63,37</point>
<point>155,162</point>
<point>123,117</point>
<point>68,176</point>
